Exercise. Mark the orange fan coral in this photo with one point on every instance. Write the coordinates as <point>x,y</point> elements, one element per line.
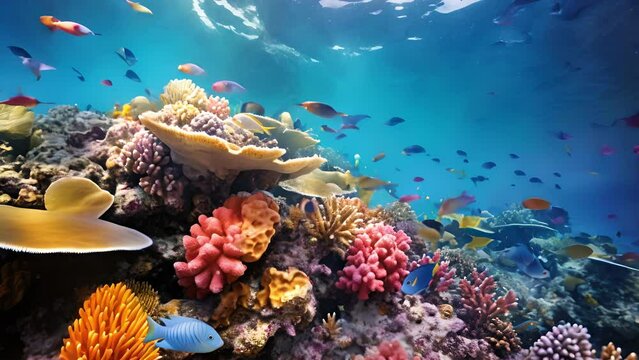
<point>112,325</point>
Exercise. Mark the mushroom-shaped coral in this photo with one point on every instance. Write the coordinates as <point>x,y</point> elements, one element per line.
<point>112,325</point>
<point>563,342</point>
<point>375,262</point>
<point>280,287</point>
<point>240,230</point>
<point>15,121</point>
<point>70,223</point>
<point>184,90</point>
<point>335,222</point>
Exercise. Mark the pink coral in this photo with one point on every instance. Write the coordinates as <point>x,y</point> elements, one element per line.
<point>387,350</point>
<point>375,262</point>
<point>445,275</point>
<point>218,106</point>
<point>479,298</point>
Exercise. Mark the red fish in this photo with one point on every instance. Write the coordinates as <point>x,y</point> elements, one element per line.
<point>106,82</point>
<point>629,257</point>
<point>632,120</point>
<point>409,198</point>
<point>227,86</point>
<point>451,205</point>
<point>23,100</point>
<point>68,27</point>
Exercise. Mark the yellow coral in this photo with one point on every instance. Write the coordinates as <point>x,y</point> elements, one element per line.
<point>184,112</point>
<point>280,287</point>
<point>446,311</point>
<point>238,295</point>
<point>335,221</point>
<point>260,214</point>
<point>15,121</point>
<point>112,325</point>
<point>184,90</point>
<point>611,352</point>
<point>331,325</point>
<point>146,294</point>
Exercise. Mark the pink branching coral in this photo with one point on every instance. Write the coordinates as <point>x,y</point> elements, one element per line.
<point>478,297</point>
<point>445,275</point>
<point>375,262</point>
<point>218,106</point>
<point>387,350</point>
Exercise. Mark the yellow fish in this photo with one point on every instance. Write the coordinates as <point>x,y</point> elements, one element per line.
<point>467,221</point>
<point>250,122</point>
<point>139,8</point>
<point>578,251</point>
<point>478,243</point>
<point>429,234</point>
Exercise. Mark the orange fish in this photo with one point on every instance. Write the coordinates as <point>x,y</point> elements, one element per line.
<point>534,203</point>
<point>68,27</point>
<point>451,205</point>
<point>320,109</point>
<point>23,100</point>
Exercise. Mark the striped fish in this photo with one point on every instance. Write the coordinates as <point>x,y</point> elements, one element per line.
<point>184,334</point>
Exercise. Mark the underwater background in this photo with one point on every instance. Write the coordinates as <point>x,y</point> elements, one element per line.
<point>551,88</point>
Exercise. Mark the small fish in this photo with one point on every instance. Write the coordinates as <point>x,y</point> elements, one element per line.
<point>349,126</point>
<point>354,119</point>
<point>461,153</point>
<point>437,160</point>
<point>563,135</point>
<point>466,161</point>
<point>132,75</point>
<point>571,282</point>
<point>106,82</point>
<point>618,234</point>
<point>183,334</point>
<point>191,69</point>
<point>253,108</point>
<point>419,279</point>
<point>394,121</point>
<point>68,27</point>
<point>340,136</point>
<point>557,186</point>
<point>251,122</point>
<point>379,157</point>
<point>418,179</point>
<point>525,326</point>
<point>519,173</point>
<point>147,91</point>
<point>80,76</point>
<point>478,242</point>
<point>409,198</point>
<point>606,150</point>
<point>434,225</point>
<point>227,86</point>
<point>476,179</point>
<point>19,52</point>
<point>577,251</point>
<point>513,156</point>
<point>328,129</point>
<point>535,203</point>
<point>139,8</point>
<point>35,66</point>
<point>612,216</point>
<point>320,109</point>
<point>557,174</point>
<point>526,262</point>
<point>23,100</point>
<point>127,56</point>
<point>488,165</point>
<point>451,205</point>
<point>535,180</point>
<point>413,149</point>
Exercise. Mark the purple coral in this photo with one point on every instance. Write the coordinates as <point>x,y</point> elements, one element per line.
<point>563,342</point>
<point>147,156</point>
<point>478,298</point>
<point>212,125</point>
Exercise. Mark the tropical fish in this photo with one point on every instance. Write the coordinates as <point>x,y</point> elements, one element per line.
<point>478,242</point>
<point>139,8</point>
<point>513,156</point>
<point>437,160</point>
<point>23,100</point>
<point>418,179</point>
<point>340,136</point>
<point>179,333</point>
<point>535,203</point>
<point>526,262</point>
<point>253,108</point>
<point>328,129</point>
<point>250,122</point>
<point>607,150</point>
<point>394,121</point>
<point>349,126</point>
<point>227,86</point>
<point>68,27</point>
<point>519,173</point>
<point>419,279</point>
<point>413,149</point>
<point>488,165</point>
<point>577,251</point>
<point>379,157</point>
<point>19,52</point>
<point>476,179</point>
<point>320,109</point>
<point>80,76</point>
<point>535,180</point>
<point>132,75</point>
<point>557,174</point>
<point>409,198</point>
<point>466,161</point>
<point>557,186</point>
<point>127,56</point>
<point>465,221</point>
<point>147,91</point>
<point>571,282</point>
<point>191,69</point>
<point>451,205</point>
<point>35,66</point>
<point>354,119</point>
<point>107,82</point>
<point>461,153</point>
<point>527,325</point>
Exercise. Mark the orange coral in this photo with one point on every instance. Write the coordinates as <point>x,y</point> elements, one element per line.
<point>238,295</point>
<point>280,287</point>
<point>112,325</point>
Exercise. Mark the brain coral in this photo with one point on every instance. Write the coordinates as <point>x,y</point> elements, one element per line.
<point>112,325</point>
<point>240,230</point>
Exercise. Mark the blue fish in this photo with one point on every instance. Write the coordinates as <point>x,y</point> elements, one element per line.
<point>354,119</point>
<point>80,76</point>
<point>394,121</point>
<point>127,56</point>
<point>488,165</point>
<point>132,75</point>
<point>418,279</point>
<point>526,262</point>
<point>184,334</point>
<point>413,149</point>
<point>19,52</point>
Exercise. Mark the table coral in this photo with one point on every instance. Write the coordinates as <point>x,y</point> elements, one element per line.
<point>280,287</point>
<point>112,324</point>
<point>563,342</point>
<point>375,262</point>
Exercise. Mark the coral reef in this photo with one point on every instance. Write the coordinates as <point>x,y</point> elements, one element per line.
<point>479,298</point>
<point>443,278</point>
<point>564,342</point>
<point>186,91</point>
<point>112,324</point>
<point>335,222</point>
<point>387,350</point>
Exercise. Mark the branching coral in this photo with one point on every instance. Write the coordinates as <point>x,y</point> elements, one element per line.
<point>238,231</point>
<point>184,90</point>
<point>375,262</point>
<point>218,106</point>
<point>281,287</point>
<point>332,326</point>
<point>443,278</point>
<point>478,298</point>
<point>563,342</point>
<point>112,325</point>
<point>335,222</point>
<point>611,352</point>
<point>147,296</point>
<point>502,337</point>
<point>14,282</point>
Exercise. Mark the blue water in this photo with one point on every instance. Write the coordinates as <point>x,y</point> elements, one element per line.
<point>454,88</point>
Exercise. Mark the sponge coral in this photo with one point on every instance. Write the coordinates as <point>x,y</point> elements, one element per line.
<point>240,230</point>
<point>563,342</point>
<point>376,261</point>
<point>112,325</point>
<point>280,287</point>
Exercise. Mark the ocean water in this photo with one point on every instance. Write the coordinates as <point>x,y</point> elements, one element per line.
<point>445,72</point>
